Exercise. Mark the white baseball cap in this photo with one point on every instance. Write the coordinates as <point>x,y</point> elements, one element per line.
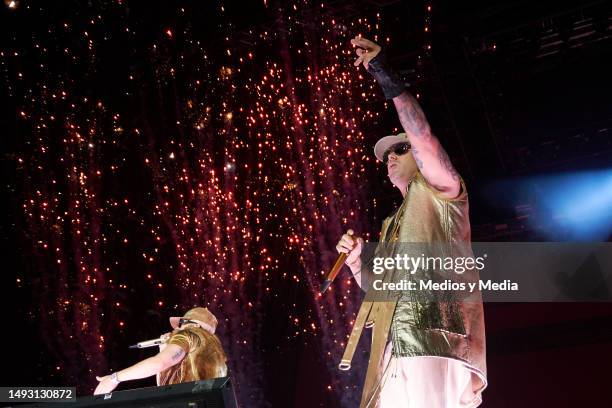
<point>386,142</point>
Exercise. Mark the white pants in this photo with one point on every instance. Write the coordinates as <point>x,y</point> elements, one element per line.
<point>426,382</point>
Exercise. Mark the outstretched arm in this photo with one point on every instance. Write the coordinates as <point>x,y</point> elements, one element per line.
<point>430,156</point>
<point>170,356</point>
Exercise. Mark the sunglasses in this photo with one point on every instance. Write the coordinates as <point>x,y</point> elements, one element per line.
<point>183,321</point>
<point>398,148</point>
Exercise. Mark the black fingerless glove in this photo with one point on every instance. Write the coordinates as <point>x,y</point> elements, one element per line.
<point>388,80</point>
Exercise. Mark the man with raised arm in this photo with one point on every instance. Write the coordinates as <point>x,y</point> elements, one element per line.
<point>432,355</point>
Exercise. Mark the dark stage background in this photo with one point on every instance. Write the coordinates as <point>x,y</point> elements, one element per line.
<point>162,155</point>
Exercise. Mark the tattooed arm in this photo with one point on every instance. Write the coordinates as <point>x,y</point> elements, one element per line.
<point>170,356</point>
<point>430,156</point>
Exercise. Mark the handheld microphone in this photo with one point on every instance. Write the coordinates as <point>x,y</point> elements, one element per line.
<point>336,268</point>
<point>148,343</point>
<point>334,271</point>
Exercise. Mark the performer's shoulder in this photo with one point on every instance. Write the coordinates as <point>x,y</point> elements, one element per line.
<point>461,196</point>
<point>181,338</point>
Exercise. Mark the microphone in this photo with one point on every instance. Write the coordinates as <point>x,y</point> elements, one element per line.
<point>335,269</point>
<point>148,343</point>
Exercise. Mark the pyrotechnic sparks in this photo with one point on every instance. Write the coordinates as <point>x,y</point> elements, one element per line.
<point>192,173</point>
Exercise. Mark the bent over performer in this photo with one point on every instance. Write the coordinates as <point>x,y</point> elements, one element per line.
<point>191,352</point>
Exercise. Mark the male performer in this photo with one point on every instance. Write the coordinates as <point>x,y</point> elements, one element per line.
<point>432,356</point>
<point>192,352</point>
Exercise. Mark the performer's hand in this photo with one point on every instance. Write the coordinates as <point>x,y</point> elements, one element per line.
<point>366,50</point>
<point>350,245</point>
<point>105,386</point>
<point>164,337</point>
